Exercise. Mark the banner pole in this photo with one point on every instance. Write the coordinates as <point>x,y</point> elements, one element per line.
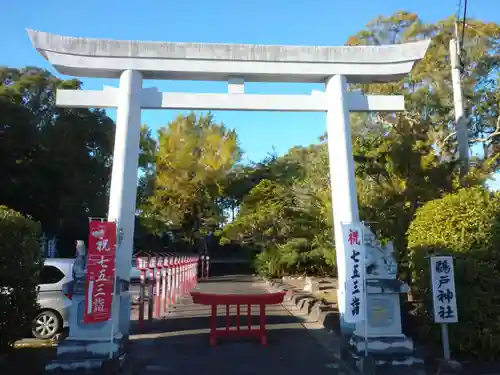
<point>365,287</point>
<point>114,292</point>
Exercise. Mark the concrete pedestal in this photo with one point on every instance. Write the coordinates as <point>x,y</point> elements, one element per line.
<point>386,343</point>
<point>89,356</point>
<point>387,352</point>
<point>90,348</point>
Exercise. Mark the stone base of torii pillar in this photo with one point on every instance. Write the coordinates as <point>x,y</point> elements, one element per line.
<point>90,348</point>
<point>382,335</point>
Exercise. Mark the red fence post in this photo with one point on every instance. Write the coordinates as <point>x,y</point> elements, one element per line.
<point>141,265</point>
<point>194,271</point>
<point>142,292</point>
<point>159,266</point>
<point>176,279</point>
<point>164,285</point>
<point>170,278</point>
<point>151,266</point>
<point>181,267</point>
<point>186,274</point>
<point>203,266</point>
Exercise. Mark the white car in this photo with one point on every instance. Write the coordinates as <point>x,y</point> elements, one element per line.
<point>54,299</point>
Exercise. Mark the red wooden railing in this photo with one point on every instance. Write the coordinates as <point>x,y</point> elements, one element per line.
<point>238,300</point>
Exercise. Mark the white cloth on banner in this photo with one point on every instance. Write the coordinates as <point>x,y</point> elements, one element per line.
<point>355,272</point>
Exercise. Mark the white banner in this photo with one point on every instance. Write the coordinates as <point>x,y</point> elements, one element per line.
<point>443,290</point>
<point>355,272</point>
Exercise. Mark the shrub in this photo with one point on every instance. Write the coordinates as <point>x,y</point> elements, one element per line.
<point>19,270</point>
<point>267,263</point>
<point>465,224</point>
<point>298,256</point>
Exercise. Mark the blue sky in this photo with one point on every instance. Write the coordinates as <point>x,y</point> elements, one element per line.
<point>312,22</point>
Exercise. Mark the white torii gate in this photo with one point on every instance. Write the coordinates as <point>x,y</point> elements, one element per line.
<point>133,61</point>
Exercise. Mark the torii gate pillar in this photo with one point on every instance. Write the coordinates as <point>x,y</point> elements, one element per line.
<point>342,178</point>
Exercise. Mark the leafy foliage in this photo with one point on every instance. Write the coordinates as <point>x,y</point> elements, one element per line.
<point>55,162</point>
<point>402,160</point>
<point>410,158</point>
<point>19,269</point>
<point>193,157</point>
<point>465,224</point>
<point>286,217</point>
<point>428,89</point>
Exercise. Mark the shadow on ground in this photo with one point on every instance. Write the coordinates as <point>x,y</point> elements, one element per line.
<point>179,343</point>
<point>27,360</point>
<point>229,279</point>
<point>192,317</point>
<point>184,349</point>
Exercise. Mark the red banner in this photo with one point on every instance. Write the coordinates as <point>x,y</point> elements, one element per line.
<point>100,271</point>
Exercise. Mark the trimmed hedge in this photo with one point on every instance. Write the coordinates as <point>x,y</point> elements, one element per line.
<point>20,266</point>
<point>465,224</point>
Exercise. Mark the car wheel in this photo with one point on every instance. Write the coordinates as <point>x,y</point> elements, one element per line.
<point>46,325</point>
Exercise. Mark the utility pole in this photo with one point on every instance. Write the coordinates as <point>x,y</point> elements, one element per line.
<point>460,119</point>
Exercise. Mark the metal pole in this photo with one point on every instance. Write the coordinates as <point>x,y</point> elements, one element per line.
<point>446,342</point>
<point>365,288</point>
<point>114,296</point>
<point>460,119</point>
<point>366,316</point>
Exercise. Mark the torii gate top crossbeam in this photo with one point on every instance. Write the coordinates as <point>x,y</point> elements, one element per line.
<point>101,58</point>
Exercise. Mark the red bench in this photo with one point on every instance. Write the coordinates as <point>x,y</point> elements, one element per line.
<point>238,300</point>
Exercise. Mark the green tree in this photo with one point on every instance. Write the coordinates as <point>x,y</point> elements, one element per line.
<point>264,216</point>
<point>411,159</point>
<point>19,270</point>
<point>193,158</point>
<point>55,161</point>
<point>147,163</point>
<point>428,88</point>
<point>402,160</point>
<point>286,215</point>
